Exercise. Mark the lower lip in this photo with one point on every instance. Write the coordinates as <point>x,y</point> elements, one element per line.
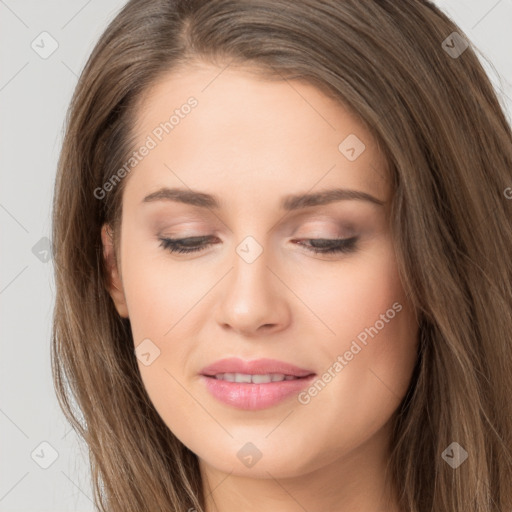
<point>254,396</point>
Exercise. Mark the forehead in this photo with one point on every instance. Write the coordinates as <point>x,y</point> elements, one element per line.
<point>247,134</point>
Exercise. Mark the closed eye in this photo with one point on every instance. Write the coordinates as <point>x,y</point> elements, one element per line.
<point>318,245</point>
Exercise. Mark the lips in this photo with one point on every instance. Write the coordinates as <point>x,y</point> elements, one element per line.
<point>256,367</point>
<point>256,384</point>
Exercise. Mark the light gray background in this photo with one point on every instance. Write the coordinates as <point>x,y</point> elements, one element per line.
<point>34,95</point>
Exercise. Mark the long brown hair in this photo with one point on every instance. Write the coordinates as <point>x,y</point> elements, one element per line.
<point>430,105</point>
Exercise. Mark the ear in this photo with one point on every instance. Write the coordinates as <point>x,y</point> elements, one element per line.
<point>115,285</point>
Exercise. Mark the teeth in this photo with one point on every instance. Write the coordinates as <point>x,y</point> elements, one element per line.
<point>254,379</point>
<point>261,379</point>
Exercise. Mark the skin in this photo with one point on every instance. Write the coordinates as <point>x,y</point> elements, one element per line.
<point>252,141</point>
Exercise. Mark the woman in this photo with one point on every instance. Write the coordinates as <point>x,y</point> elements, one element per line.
<point>282,238</point>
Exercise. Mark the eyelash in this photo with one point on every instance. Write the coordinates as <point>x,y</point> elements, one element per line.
<point>340,245</point>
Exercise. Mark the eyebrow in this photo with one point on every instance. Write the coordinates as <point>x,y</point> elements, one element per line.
<point>288,203</point>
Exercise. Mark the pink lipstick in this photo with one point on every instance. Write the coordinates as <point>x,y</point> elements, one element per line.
<point>256,384</point>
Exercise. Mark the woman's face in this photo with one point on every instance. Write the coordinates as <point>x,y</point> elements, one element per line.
<point>228,168</point>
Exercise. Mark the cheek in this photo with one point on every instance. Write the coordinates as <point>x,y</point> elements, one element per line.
<point>351,295</point>
<point>369,322</point>
<point>159,292</point>
<point>159,295</point>
<point>375,335</point>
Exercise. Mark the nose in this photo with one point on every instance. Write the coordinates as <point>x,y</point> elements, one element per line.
<point>253,300</point>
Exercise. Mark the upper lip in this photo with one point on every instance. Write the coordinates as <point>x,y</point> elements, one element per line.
<point>255,367</point>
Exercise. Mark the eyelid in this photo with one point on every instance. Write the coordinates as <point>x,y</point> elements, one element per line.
<point>319,225</point>
<point>187,229</point>
<point>335,230</point>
